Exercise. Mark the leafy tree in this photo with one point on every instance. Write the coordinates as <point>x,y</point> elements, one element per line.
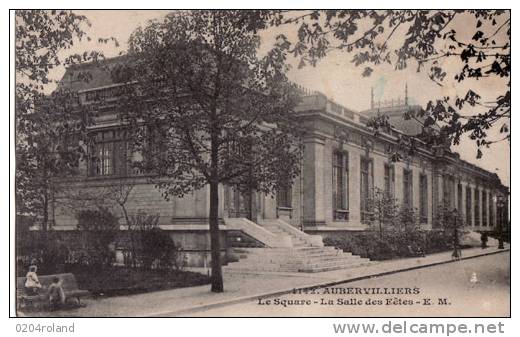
<point>205,109</point>
<point>384,208</point>
<point>48,128</point>
<point>408,219</point>
<point>445,218</point>
<point>387,213</point>
<point>421,39</point>
<point>451,221</point>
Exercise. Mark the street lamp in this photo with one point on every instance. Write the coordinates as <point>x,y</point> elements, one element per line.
<point>455,218</point>
<point>500,209</point>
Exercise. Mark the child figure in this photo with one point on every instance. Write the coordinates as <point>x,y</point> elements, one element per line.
<point>56,293</point>
<point>32,284</point>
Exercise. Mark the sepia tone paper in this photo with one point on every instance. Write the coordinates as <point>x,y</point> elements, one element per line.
<point>370,225</point>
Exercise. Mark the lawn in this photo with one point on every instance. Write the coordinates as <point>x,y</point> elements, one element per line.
<point>115,281</point>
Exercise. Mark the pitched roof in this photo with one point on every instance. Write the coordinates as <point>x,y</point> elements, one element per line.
<point>99,74</point>
<point>410,127</point>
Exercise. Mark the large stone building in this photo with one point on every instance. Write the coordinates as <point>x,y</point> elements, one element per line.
<point>342,163</point>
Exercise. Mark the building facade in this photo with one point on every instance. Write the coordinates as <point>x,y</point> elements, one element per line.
<point>342,164</point>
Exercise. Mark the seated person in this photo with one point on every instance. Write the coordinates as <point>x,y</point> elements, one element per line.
<point>32,284</point>
<point>56,293</point>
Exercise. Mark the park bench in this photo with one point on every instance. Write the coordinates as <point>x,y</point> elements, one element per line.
<point>69,284</point>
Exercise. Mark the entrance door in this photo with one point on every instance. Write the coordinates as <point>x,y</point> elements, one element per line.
<point>239,203</point>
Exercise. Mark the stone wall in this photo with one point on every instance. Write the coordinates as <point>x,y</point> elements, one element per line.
<point>142,197</point>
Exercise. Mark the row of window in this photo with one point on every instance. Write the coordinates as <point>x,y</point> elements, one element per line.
<point>340,183</point>
<point>109,157</point>
<point>340,191</point>
<point>340,187</point>
<point>473,211</point>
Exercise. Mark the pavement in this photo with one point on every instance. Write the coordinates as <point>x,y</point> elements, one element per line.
<point>243,287</point>
<point>478,287</point>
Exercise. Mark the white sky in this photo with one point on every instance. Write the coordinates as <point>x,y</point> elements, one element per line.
<point>335,76</point>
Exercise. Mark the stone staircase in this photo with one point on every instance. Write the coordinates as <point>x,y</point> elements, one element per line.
<point>306,254</point>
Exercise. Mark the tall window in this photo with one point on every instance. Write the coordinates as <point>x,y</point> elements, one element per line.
<point>484,209</point>
<point>459,197</point>
<point>491,211</point>
<point>365,188</point>
<point>448,186</point>
<point>407,188</point>
<point>284,197</point>
<point>423,198</point>
<point>389,180</point>
<point>469,209</point>
<point>108,154</point>
<point>477,207</point>
<point>340,185</point>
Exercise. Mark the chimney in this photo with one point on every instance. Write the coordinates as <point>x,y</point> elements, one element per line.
<point>406,94</point>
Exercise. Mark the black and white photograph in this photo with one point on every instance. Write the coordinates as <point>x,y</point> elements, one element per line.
<point>261,163</point>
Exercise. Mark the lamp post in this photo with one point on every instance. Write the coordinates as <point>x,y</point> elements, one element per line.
<point>500,210</point>
<point>455,218</point>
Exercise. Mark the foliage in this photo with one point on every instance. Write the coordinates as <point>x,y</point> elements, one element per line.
<point>49,129</point>
<point>158,247</point>
<point>147,246</point>
<point>142,221</point>
<point>235,111</point>
<point>388,215</point>
<point>425,39</point>
<point>208,111</point>
<point>101,227</point>
<point>68,252</point>
<point>47,252</point>
<point>22,232</point>
<point>100,219</point>
<point>408,219</point>
<point>138,224</point>
<point>384,208</point>
<point>451,222</point>
<point>447,218</point>
<point>397,235</point>
<point>392,244</point>
<point>497,234</point>
<point>119,281</point>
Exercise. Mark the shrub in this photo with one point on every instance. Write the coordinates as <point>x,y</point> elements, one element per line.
<point>149,247</point>
<point>46,251</point>
<point>100,227</point>
<point>391,243</point>
<point>156,248</point>
<point>97,220</point>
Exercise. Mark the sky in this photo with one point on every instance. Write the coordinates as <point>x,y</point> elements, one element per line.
<point>335,75</point>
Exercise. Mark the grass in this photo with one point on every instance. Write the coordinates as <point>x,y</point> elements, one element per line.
<point>116,281</point>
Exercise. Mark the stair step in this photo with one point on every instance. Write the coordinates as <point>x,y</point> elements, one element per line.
<point>329,260</point>
<point>254,270</point>
<point>297,255</point>
<point>302,269</point>
<point>301,257</point>
<point>306,264</point>
<point>332,263</point>
<point>329,268</point>
<point>259,261</point>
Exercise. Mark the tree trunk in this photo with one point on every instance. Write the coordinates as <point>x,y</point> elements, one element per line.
<point>217,284</point>
<point>45,220</point>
